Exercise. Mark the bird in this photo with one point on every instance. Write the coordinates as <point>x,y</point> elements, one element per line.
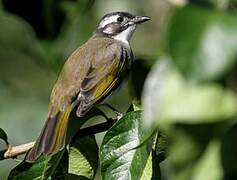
<point>90,75</point>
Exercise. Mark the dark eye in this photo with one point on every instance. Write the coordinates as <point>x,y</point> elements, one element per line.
<point>120,19</point>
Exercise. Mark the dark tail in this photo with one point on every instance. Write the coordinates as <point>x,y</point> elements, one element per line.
<point>52,137</point>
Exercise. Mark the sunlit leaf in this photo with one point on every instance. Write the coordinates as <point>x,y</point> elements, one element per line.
<point>169,98</point>
<point>202,42</point>
<point>209,164</point>
<point>83,157</point>
<point>118,157</point>
<point>147,172</point>
<point>152,95</point>
<point>152,169</point>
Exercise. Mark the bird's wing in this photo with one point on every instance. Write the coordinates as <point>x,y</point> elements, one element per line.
<point>103,76</point>
<point>69,81</point>
<point>92,70</point>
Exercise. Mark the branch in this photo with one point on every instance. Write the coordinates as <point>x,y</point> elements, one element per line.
<point>14,151</point>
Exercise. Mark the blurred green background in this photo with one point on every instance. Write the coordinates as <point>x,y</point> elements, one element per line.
<point>36,37</point>
<point>199,36</point>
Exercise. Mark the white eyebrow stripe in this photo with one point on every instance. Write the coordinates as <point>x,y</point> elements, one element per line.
<point>108,20</point>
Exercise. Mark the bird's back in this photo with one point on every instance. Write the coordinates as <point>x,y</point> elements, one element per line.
<point>95,52</point>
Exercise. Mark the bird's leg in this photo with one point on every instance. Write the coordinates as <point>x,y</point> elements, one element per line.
<point>118,113</point>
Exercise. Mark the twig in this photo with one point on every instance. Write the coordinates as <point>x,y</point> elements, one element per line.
<point>14,151</point>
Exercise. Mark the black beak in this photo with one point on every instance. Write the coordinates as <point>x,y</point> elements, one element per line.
<point>140,19</point>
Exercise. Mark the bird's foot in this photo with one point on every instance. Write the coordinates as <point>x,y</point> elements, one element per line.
<point>118,113</point>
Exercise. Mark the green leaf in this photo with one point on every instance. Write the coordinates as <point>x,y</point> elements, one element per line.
<point>41,169</point>
<point>50,164</point>
<point>152,168</point>
<point>151,93</point>
<point>62,169</point>
<point>83,157</point>
<point>119,155</point>
<point>26,171</point>
<point>3,136</point>
<point>46,167</point>
<point>135,106</point>
<point>169,98</point>
<point>147,172</point>
<point>183,152</point>
<point>202,42</point>
<point>209,165</point>
<point>194,153</point>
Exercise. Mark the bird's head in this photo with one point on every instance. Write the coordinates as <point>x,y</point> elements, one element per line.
<point>119,25</point>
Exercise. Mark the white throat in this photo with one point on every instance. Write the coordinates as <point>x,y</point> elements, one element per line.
<point>126,35</point>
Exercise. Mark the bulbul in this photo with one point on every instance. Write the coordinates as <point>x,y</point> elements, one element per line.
<point>90,74</point>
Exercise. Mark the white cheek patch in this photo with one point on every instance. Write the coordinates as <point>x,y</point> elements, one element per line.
<point>108,30</point>
<point>126,35</point>
<point>108,20</point>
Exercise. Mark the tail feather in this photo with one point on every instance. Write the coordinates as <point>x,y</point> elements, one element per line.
<point>52,137</point>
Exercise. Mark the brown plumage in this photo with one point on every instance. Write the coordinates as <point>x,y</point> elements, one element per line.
<point>86,79</point>
<point>97,61</point>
